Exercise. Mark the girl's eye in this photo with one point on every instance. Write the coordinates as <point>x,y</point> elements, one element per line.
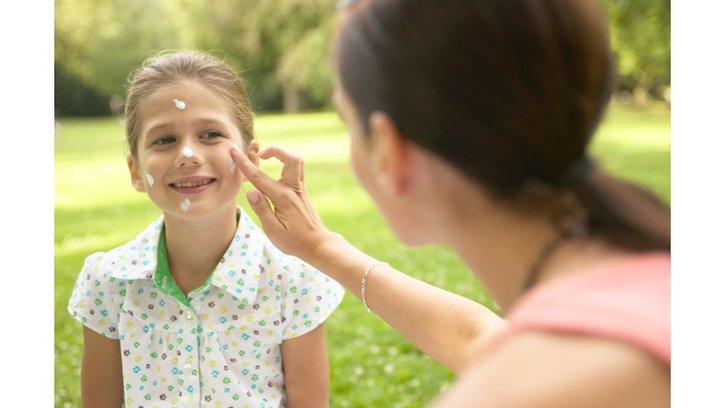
<point>211,135</point>
<point>164,140</point>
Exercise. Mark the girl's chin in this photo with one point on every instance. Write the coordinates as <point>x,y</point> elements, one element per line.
<point>189,209</point>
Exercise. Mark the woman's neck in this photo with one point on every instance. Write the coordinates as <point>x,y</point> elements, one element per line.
<point>195,247</point>
<point>502,248</point>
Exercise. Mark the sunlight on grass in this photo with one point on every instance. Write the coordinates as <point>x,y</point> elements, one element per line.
<point>371,365</point>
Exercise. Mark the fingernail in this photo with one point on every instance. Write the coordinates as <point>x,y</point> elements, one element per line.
<point>253,196</point>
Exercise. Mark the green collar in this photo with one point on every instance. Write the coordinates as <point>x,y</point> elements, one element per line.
<point>163,279</point>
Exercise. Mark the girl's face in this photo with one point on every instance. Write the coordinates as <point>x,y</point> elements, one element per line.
<point>183,160</point>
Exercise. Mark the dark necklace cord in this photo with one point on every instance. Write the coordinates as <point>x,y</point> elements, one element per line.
<point>544,255</point>
<point>570,223</point>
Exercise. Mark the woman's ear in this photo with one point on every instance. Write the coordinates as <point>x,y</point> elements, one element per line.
<point>136,179</point>
<point>391,154</point>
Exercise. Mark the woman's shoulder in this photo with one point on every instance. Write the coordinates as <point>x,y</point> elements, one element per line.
<point>542,369</point>
<point>627,300</point>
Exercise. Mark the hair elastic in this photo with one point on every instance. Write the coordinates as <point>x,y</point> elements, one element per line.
<point>577,172</point>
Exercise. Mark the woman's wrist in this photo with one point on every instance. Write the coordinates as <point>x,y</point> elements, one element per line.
<point>340,260</point>
<point>327,247</point>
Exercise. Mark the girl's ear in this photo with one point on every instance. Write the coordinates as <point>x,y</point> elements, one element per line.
<point>136,178</point>
<point>253,150</point>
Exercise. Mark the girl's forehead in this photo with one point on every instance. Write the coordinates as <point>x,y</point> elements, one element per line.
<point>191,93</point>
<point>184,102</point>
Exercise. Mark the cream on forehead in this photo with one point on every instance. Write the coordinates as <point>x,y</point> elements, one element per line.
<point>187,152</point>
<point>179,104</point>
<point>149,179</point>
<point>185,204</point>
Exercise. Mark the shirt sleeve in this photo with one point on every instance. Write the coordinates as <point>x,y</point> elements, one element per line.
<point>94,301</point>
<point>310,298</point>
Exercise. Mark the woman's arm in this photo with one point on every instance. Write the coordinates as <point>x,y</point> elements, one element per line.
<point>101,373</point>
<point>451,329</point>
<point>305,363</point>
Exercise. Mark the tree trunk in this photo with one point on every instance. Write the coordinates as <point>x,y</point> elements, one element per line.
<point>640,96</point>
<point>291,97</point>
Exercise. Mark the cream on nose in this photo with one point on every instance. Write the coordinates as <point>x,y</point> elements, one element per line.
<point>187,152</point>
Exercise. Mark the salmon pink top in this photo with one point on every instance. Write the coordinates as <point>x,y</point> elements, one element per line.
<point>625,300</point>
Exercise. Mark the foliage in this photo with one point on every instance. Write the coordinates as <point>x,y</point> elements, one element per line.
<point>273,44</point>
<point>102,41</point>
<point>281,48</point>
<point>74,97</point>
<point>640,32</point>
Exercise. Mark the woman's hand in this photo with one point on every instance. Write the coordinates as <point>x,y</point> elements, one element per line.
<point>451,329</point>
<point>291,222</point>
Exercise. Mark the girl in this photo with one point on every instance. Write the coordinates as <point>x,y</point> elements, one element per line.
<point>200,309</point>
<point>469,126</point>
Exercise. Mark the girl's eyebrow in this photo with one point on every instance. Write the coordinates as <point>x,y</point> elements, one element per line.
<point>202,121</point>
<point>158,127</point>
<point>211,121</point>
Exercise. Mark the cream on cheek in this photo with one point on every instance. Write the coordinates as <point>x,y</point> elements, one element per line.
<point>146,172</point>
<point>149,179</point>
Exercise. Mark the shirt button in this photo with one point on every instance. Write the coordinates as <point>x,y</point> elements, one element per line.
<point>187,366</point>
<point>190,315</point>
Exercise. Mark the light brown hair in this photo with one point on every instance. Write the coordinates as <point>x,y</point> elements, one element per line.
<point>168,68</point>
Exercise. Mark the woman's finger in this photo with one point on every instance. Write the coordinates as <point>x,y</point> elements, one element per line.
<point>268,186</point>
<point>292,169</point>
<point>261,207</point>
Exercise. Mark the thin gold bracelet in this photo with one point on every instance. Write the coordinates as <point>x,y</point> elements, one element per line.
<point>363,282</point>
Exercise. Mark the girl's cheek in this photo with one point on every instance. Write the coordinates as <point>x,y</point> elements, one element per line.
<point>151,175</point>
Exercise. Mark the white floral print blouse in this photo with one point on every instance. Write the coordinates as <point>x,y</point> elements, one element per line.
<point>219,346</point>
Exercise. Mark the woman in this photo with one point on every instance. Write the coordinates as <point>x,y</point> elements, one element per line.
<point>469,123</point>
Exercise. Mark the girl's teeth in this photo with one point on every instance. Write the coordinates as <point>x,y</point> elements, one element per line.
<point>187,184</point>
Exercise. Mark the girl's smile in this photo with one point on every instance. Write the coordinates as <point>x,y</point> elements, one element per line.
<point>192,185</point>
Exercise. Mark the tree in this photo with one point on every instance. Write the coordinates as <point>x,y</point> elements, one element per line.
<point>640,33</point>
<point>258,37</point>
<point>102,41</point>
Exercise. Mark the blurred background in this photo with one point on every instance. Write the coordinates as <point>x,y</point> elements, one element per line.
<point>281,50</point>
<point>280,47</point>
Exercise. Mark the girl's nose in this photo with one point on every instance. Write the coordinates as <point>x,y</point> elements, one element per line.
<point>187,156</point>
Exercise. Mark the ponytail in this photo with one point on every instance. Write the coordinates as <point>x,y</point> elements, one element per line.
<point>623,214</point>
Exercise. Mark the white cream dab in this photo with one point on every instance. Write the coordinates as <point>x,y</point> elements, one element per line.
<point>185,204</point>
<point>150,179</point>
<point>181,105</point>
<point>232,166</point>
<point>187,152</point>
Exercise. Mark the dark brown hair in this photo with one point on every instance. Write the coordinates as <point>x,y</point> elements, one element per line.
<point>173,67</point>
<point>509,91</point>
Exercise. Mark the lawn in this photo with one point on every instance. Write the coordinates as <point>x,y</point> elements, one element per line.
<point>371,365</point>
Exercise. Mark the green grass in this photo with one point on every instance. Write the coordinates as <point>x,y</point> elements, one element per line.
<point>371,365</point>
